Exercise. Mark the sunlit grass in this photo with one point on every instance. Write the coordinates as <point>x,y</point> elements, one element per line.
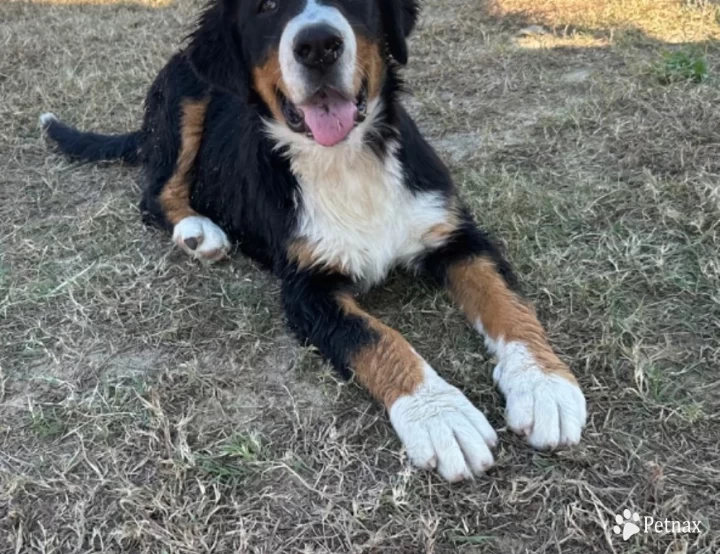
<point>670,21</point>
<point>147,3</point>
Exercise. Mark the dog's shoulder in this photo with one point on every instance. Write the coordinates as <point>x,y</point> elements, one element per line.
<point>424,170</point>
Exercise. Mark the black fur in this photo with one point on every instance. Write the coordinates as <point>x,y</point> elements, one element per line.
<point>93,147</point>
<point>399,17</point>
<point>217,31</point>
<point>244,184</point>
<point>467,242</point>
<point>314,314</point>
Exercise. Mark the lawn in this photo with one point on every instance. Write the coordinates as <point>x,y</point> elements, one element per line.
<point>150,404</point>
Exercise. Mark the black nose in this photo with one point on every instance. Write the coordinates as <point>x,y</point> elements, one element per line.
<point>318,46</point>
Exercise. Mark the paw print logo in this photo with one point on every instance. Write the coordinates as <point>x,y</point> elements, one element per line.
<point>629,522</point>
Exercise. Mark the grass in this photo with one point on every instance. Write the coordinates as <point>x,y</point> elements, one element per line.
<point>668,21</point>
<point>682,65</point>
<point>150,404</point>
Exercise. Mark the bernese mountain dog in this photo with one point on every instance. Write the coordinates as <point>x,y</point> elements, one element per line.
<point>279,128</point>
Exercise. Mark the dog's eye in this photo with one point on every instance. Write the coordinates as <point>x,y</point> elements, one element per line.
<point>267,6</point>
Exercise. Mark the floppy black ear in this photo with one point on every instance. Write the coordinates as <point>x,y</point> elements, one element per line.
<point>214,51</point>
<point>398,19</point>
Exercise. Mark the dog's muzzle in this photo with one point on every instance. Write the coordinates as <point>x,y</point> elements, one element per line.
<point>318,62</point>
<point>318,47</point>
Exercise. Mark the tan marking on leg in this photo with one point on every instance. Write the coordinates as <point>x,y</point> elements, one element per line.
<point>484,296</point>
<point>439,234</point>
<point>175,195</point>
<point>389,368</point>
<point>370,66</point>
<point>267,80</point>
<point>301,252</point>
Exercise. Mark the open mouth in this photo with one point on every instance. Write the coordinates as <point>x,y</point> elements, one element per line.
<point>327,116</point>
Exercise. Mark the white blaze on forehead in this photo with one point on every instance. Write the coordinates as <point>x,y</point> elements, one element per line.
<point>293,73</point>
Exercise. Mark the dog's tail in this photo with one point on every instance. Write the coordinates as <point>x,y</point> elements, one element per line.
<point>91,147</point>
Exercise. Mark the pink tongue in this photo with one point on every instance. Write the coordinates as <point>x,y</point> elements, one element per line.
<point>329,116</point>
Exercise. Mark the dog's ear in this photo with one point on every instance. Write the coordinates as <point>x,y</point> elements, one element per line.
<point>398,19</point>
<point>214,50</point>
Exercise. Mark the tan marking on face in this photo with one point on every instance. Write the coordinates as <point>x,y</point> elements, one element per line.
<point>484,296</point>
<point>175,195</point>
<point>389,368</point>
<point>370,66</point>
<point>267,80</point>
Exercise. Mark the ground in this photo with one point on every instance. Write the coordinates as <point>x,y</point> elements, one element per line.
<point>152,404</point>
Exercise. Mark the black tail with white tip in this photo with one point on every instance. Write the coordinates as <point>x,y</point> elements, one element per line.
<point>91,147</point>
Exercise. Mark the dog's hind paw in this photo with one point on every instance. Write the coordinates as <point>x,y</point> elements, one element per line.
<point>200,238</point>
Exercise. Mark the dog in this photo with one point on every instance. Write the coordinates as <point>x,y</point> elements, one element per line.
<point>278,128</point>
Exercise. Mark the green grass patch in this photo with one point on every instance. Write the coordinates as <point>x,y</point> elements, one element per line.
<point>47,425</point>
<point>682,66</point>
<point>235,460</point>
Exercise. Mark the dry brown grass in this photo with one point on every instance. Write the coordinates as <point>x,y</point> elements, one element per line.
<point>663,20</point>
<point>150,404</point>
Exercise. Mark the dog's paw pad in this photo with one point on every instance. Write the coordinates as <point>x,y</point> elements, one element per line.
<point>442,430</point>
<point>200,238</point>
<point>192,243</point>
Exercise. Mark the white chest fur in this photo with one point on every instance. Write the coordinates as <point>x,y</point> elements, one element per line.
<point>355,210</point>
<point>358,213</point>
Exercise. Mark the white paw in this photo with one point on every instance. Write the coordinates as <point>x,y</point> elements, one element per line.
<point>545,407</point>
<point>441,429</point>
<point>201,238</point>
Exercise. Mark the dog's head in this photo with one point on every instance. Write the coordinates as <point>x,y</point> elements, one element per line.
<point>316,64</point>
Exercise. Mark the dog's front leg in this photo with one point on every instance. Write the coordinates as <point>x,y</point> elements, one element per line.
<point>439,427</point>
<point>544,400</point>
